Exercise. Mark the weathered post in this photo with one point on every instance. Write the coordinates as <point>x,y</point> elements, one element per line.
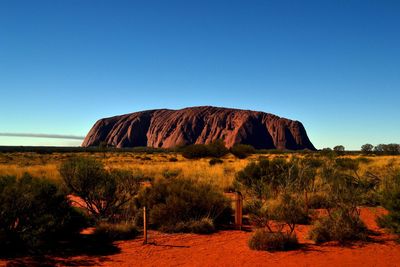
<point>144,225</point>
<point>238,210</point>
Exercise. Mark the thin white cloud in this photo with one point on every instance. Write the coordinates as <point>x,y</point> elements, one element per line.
<point>39,135</point>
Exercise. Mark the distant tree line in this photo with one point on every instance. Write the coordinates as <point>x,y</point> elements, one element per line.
<point>367,149</point>
<point>215,149</point>
<point>381,149</point>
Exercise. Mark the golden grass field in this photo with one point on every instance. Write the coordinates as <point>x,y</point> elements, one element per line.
<point>228,246</point>
<point>158,165</point>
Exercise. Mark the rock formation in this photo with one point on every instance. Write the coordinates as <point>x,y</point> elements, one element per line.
<point>199,125</point>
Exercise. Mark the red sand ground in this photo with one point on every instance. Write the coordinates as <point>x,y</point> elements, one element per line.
<point>229,248</point>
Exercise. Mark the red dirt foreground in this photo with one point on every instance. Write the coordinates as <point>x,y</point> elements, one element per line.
<point>229,248</point>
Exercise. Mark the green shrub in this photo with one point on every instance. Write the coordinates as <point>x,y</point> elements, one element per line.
<point>328,153</point>
<point>214,161</point>
<point>340,226</point>
<point>364,160</point>
<point>105,193</point>
<point>215,149</point>
<point>242,151</point>
<point>202,226</point>
<point>252,206</point>
<point>390,198</point>
<point>264,240</point>
<point>347,164</point>
<point>177,201</point>
<point>390,221</point>
<point>290,210</point>
<point>195,151</point>
<point>262,178</point>
<point>371,199</point>
<point>285,211</point>
<point>319,201</point>
<point>170,174</point>
<point>34,214</point>
<point>345,191</point>
<point>114,232</point>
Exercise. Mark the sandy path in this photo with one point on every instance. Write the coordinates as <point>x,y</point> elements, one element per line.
<point>229,248</point>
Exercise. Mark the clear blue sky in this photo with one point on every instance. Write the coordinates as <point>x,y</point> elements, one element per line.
<point>333,65</point>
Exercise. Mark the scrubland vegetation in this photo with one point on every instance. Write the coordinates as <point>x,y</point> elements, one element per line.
<point>34,214</point>
<point>46,199</point>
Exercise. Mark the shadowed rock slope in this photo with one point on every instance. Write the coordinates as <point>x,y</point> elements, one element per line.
<point>199,125</point>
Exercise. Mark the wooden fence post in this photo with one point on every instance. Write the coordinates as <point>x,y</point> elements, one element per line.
<point>238,210</point>
<point>144,225</point>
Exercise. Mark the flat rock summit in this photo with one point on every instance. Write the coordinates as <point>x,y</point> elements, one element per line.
<point>165,128</point>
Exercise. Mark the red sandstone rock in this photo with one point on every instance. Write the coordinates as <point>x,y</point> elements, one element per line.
<point>199,125</point>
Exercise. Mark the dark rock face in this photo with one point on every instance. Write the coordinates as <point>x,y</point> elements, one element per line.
<point>199,125</point>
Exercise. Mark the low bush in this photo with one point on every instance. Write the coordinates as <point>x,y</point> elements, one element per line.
<point>114,232</point>
<point>266,178</point>
<point>339,226</point>
<point>364,160</point>
<point>195,151</point>
<point>390,196</point>
<point>242,151</point>
<point>176,203</point>
<point>319,201</point>
<point>370,199</point>
<point>252,206</point>
<point>286,211</point>
<point>173,159</point>
<point>390,221</point>
<point>171,173</point>
<point>264,240</point>
<point>289,209</point>
<point>34,215</point>
<point>328,153</point>
<point>215,149</point>
<point>215,161</point>
<point>202,226</point>
<point>277,220</point>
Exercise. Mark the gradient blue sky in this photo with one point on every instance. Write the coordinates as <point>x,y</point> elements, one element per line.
<point>334,65</point>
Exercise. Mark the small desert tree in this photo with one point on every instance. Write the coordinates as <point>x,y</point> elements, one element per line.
<point>367,149</point>
<point>387,149</point>
<point>307,169</point>
<point>339,149</point>
<point>277,224</point>
<point>392,149</point>
<point>105,193</point>
<point>278,208</point>
<point>345,189</point>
